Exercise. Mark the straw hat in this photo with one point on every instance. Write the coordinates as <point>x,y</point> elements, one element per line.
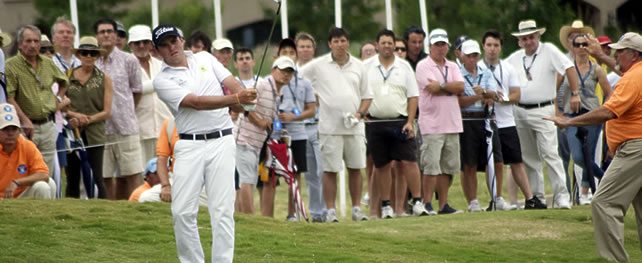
<point>89,43</point>
<point>5,39</point>
<point>528,27</point>
<point>576,27</point>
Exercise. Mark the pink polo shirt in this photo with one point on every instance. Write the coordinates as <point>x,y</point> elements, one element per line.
<point>438,114</point>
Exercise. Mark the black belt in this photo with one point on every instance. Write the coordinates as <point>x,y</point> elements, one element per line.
<point>535,105</point>
<point>208,136</point>
<point>49,118</point>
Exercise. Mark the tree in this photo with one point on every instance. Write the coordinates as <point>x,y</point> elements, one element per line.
<point>188,15</point>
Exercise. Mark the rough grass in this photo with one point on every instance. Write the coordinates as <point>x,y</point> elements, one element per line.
<point>105,231</point>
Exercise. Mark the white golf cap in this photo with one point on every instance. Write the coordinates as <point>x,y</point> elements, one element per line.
<point>438,35</point>
<point>470,46</point>
<point>284,62</point>
<point>139,32</point>
<point>8,116</point>
<point>629,40</point>
<point>222,43</point>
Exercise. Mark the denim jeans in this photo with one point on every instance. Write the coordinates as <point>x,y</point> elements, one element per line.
<point>575,146</point>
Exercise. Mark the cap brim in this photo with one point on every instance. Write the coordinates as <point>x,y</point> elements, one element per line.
<point>6,39</point>
<point>439,39</point>
<point>617,46</point>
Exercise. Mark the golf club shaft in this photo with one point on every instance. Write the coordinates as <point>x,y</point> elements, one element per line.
<point>267,45</point>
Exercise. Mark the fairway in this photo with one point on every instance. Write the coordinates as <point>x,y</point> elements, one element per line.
<point>105,231</point>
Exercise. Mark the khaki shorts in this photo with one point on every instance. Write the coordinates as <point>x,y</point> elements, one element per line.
<point>123,156</point>
<point>247,164</point>
<point>440,154</point>
<point>337,148</point>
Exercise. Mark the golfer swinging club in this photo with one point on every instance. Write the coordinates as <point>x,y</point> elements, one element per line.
<point>190,85</point>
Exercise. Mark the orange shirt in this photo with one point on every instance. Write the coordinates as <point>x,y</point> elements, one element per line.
<point>626,103</point>
<point>25,160</point>
<point>163,146</point>
<point>138,191</point>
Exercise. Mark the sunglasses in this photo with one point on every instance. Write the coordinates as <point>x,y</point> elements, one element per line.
<point>46,49</point>
<point>402,49</point>
<point>582,44</point>
<point>88,53</point>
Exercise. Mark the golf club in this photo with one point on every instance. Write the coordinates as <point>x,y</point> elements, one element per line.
<point>276,17</point>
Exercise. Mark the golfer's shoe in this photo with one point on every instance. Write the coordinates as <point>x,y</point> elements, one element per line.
<point>431,211</point>
<point>446,210</point>
<point>418,209</point>
<point>562,203</point>
<point>291,218</point>
<point>357,215</point>
<point>331,217</point>
<point>500,205</point>
<point>387,212</point>
<point>534,203</point>
<point>474,206</point>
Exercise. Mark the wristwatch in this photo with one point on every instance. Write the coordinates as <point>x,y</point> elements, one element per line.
<point>442,86</point>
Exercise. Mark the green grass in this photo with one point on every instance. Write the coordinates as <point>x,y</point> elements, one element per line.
<point>105,231</point>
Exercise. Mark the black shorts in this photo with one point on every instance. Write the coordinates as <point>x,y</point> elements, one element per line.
<point>299,155</point>
<point>473,144</point>
<point>387,142</point>
<point>511,149</point>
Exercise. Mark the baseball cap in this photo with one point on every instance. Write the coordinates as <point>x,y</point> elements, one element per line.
<point>139,33</point>
<point>222,43</point>
<point>151,166</point>
<point>284,62</point>
<point>460,40</point>
<point>44,41</point>
<point>120,29</point>
<point>286,42</point>
<point>163,31</point>
<point>629,40</point>
<point>604,39</point>
<point>8,116</point>
<point>470,46</point>
<point>438,35</point>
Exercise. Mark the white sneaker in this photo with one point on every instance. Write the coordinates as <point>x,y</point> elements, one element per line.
<point>502,205</point>
<point>357,215</point>
<point>586,199</point>
<point>474,207</point>
<point>563,203</point>
<point>387,212</point>
<point>419,209</point>
<point>331,216</point>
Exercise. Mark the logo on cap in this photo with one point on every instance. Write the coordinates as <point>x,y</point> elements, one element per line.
<point>8,118</point>
<point>7,108</point>
<point>22,169</point>
<point>162,30</point>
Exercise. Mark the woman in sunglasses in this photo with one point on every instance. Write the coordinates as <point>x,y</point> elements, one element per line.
<point>401,48</point>
<point>90,92</point>
<point>583,140</point>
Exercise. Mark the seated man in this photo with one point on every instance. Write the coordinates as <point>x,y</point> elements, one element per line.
<point>23,171</point>
<point>151,179</point>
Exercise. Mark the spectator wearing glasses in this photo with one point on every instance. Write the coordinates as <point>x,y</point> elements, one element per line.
<point>123,158</point>
<point>150,111</point>
<point>30,77</point>
<point>537,67</point>
<point>90,92</point>
<point>401,48</point>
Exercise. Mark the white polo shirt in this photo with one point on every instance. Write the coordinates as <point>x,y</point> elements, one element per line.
<point>202,77</point>
<point>544,65</point>
<point>391,87</point>
<point>340,91</point>
<point>505,78</point>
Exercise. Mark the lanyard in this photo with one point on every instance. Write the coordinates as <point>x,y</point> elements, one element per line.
<point>386,76</point>
<point>528,69</point>
<point>445,76</point>
<point>501,73</point>
<point>479,78</point>
<point>583,78</point>
<point>64,64</point>
<point>296,85</point>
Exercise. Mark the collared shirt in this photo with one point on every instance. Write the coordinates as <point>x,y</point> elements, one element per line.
<point>151,111</point>
<point>503,73</point>
<point>483,79</point>
<point>438,114</point>
<point>294,96</point>
<point>202,77</point>
<point>32,88</point>
<point>544,66</point>
<point>626,103</point>
<point>391,87</point>
<point>340,90</point>
<point>23,161</point>
<point>267,101</point>
<point>63,65</point>
<point>124,72</point>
